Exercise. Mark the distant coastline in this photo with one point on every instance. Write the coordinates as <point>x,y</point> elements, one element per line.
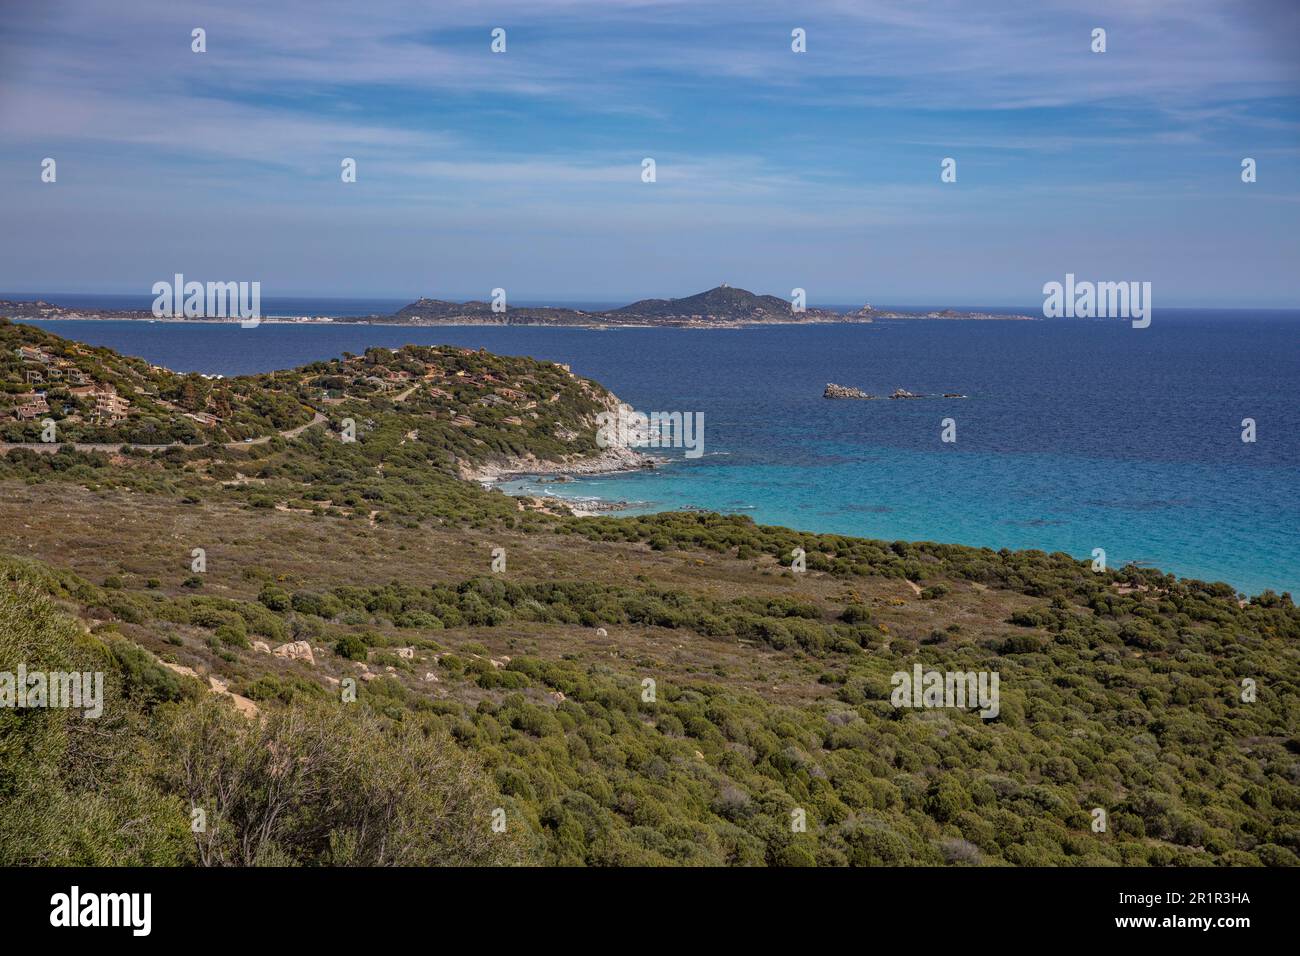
<point>721,307</point>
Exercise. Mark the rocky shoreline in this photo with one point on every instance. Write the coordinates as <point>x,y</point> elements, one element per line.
<point>609,461</point>
<point>594,506</point>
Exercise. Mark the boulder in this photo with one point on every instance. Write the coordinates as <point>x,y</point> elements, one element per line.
<point>295,651</point>
<point>406,653</point>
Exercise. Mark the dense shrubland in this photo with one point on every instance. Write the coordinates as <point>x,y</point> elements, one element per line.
<point>310,784</point>
<point>1108,701</point>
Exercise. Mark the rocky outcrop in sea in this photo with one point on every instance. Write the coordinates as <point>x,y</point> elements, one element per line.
<point>847,391</point>
<point>844,391</point>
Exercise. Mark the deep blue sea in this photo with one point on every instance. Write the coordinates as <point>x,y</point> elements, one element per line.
<point>1076,434</point>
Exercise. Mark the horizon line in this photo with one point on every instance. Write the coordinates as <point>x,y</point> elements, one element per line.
<point>526,301</point>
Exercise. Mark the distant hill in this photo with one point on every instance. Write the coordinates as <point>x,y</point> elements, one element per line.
<point>723,302</point>
<point>473,410</point>
<point>723,306</point>
<point>441,308</point>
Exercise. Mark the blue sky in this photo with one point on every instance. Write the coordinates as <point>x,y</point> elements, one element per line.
<point>775,170</point>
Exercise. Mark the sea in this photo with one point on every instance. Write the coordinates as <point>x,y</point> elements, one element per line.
<point>1073,435</point>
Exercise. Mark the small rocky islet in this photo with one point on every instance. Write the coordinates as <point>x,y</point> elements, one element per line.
<point>847,392</point>
<point>843,391</point>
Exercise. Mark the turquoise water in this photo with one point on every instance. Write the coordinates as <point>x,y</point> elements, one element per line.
<point>1075,435</point>
<point>1198,521</point>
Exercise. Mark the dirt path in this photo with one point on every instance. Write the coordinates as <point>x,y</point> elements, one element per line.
<point>317,419</point>
<point>50,448</point>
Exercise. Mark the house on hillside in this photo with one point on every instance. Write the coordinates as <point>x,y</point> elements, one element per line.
<point>110,406</point>
<point>29,353</point>
<point>30,405</point>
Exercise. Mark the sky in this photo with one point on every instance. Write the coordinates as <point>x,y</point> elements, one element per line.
<point>774,169</point>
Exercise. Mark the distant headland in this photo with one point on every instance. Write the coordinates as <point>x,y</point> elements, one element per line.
<point>721,307</point>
